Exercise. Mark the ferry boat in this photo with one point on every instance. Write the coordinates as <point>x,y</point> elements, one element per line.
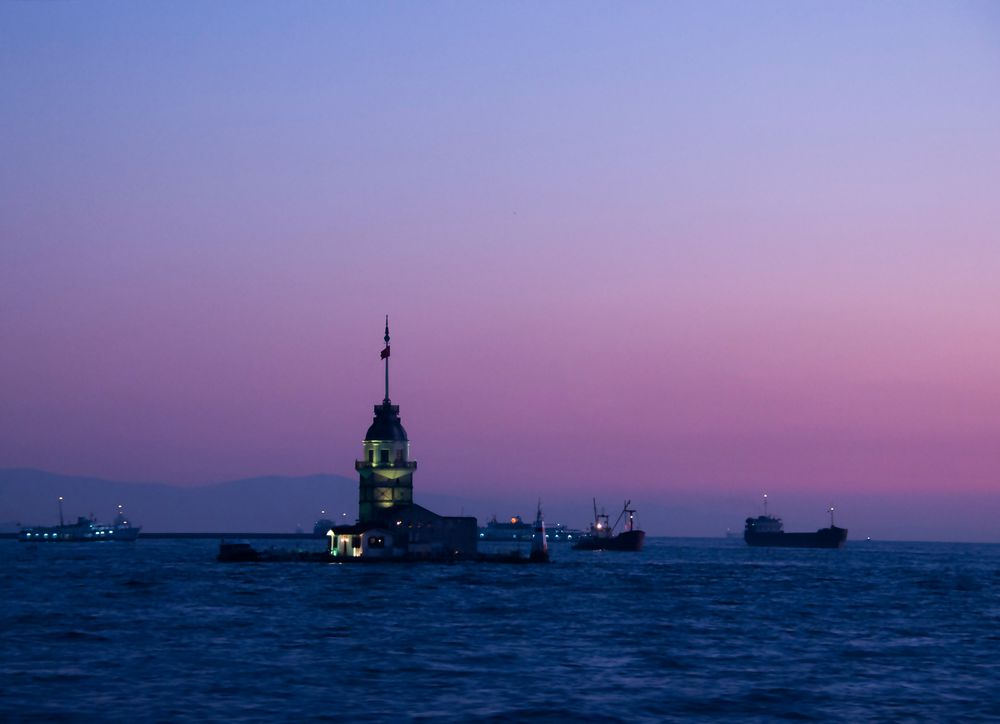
<point>559,532</point>
<point>514,530</point>
<point>602,537</point>
<point>85,530</point>
<point>517,530</point>
<point>768,531</point>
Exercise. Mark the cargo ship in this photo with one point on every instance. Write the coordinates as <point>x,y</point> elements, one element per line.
<point>768,531</point>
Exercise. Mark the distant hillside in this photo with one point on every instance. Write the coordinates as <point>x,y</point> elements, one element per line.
<point>264,504</point>
<point>277,504</point>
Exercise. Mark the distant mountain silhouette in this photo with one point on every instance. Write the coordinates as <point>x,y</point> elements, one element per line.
<point>263,504</point>
<point>279,504</point>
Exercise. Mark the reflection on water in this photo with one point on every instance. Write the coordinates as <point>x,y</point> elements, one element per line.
<point>685,629</point>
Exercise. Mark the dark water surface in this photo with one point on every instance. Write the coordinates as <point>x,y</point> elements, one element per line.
<point>687,629</point>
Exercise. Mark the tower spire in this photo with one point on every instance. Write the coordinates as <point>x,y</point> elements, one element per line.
<point>385,356</point>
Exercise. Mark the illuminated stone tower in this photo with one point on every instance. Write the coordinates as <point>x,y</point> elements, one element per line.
<point>386,486</point>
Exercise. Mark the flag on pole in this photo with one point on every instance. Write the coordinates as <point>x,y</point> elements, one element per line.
<point>384,353</point>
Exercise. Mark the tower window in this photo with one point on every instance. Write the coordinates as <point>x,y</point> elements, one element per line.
<point>384,456</point>
<point>371,456</point>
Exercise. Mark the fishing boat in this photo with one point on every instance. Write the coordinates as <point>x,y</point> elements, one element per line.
<point>602,535</point>
<point>84,530</point>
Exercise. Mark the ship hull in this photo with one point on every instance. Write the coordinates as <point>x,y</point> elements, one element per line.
<point>823,538</point>
<point>630,540</point>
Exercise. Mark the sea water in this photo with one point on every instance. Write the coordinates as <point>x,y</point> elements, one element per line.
<point>686,629</point>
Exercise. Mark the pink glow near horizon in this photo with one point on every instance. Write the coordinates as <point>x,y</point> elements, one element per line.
<point>609,260</point>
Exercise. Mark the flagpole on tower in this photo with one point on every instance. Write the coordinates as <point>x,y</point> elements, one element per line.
<point>385,356</point>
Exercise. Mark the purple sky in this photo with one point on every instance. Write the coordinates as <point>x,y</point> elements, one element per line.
<point>626,249</point>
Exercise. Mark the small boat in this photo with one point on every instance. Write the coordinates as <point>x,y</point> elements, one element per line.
<point>539,541</point>
<point>84,530</point>
<point>768,531</point>
<point>237,552</point>
<point>602,537</point>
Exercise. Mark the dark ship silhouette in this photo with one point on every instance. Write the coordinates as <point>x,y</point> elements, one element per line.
<point>84,530</point>
<point>767,530</point>
<point>602,537</point>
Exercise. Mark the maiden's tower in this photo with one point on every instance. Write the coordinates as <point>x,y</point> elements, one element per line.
<point>390,525</point>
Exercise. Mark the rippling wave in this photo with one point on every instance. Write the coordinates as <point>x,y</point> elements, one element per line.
<point>687,629</point>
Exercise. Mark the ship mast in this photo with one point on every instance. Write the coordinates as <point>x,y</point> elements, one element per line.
<point>831,517</point>
<point>765,504</point>
<point>60,511</point>
<point>625,509</point>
